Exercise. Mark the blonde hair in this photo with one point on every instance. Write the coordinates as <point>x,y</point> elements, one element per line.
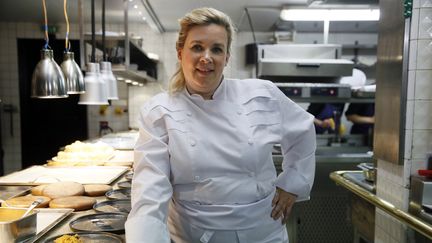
<point>197,17</point>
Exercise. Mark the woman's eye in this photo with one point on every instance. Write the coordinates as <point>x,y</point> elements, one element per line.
<point>217,50</point>
<point>196,48</point>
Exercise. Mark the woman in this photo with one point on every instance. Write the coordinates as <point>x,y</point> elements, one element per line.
<point>203,167</point>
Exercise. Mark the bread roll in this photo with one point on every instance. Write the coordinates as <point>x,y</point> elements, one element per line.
<point>37,190</point>
<point>63,189</point>
<point>26,201</point>
<point>96,190</point>
<point>76,202</point>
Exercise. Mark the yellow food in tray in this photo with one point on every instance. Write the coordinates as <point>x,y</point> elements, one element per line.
<point>83,154</point>
<point>68,239</point>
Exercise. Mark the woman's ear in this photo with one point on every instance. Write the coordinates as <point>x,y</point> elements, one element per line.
<point>227,59</point>
<point>179,52</point>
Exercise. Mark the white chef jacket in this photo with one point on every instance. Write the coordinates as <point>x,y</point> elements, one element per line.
<point>209,162</point>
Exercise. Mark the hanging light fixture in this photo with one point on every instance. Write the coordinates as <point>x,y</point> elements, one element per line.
<point>96,91</point>
<point>110,80</point>
<point>47,79</point>
<point>105,66</point>
<point>72,72</point>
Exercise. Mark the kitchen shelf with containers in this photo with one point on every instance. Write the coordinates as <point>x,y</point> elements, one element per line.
<point>142,67</point>
<point>327,92</point>
<point>82,192</point>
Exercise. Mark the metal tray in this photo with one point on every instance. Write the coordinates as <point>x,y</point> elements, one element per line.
<point>113,206</point>
<point>47,218</point>
<point>124,184</point>
<point>89,237</point>
<point>7,192</point>
<point>100,222</point>
<point>129,176</point>
<point>124,193</point>
<point>37,175</point>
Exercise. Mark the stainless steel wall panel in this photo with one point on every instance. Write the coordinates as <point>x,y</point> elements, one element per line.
<point>392,69</point>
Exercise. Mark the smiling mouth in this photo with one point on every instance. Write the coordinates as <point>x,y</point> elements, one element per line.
<point>204,71</point>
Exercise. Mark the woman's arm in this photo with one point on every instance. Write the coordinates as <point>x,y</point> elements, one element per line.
<point>151,187</point>
<point>361,119</point>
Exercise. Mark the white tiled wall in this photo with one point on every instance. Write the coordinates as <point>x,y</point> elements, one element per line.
<point>9,89</point>
<point>393,180</point>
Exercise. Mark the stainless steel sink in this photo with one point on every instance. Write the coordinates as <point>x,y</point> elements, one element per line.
<point>343,154</point>
<point>342,150</point>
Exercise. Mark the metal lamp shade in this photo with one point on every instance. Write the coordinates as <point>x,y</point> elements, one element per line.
<point>73,75</point>
<point>48,80</point>
<point>96,92</point>
<point>110,80</point>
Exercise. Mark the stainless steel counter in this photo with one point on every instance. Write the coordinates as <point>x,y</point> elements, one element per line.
<point>412,221</point>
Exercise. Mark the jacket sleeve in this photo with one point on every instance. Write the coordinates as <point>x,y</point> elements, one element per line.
<point>151,187</point>
<point>298,145</point>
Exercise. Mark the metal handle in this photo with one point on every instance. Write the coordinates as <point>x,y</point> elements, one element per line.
<point>32,206</point>
<point>309,65</point>
<point>9,108</point>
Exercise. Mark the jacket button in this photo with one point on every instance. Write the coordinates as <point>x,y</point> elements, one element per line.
<point>189,114</point>
<point>250,142</point>
<point>239,112</point>
<point>192,142</point>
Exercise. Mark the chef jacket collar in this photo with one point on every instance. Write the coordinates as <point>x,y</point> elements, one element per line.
<point>219,93</point>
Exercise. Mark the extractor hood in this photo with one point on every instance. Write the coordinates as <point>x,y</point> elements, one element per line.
<point>344,3</point>
<point>307,63</point>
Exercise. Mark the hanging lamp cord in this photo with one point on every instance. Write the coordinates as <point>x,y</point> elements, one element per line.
<point>93,58</point>
<point>103,31</point>
<point>67,43</point>
<point>45,26</point>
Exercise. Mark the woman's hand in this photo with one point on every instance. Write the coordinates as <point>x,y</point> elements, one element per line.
<point>282,204</point>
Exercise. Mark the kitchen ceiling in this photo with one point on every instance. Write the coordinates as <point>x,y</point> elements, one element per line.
<point>264,14</point>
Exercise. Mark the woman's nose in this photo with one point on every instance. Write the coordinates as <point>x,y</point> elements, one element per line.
<point>206,58</point>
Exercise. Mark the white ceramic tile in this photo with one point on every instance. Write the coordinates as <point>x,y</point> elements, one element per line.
<point>380,235</point>
<point>416,4</point>
<point>423,84</point>
<point>424,57</point>
<point>412,63</point>
<point>408,144</point>
<point>414,31</point>
<point>425,3</point>
<point>422,114</point>
<point>409,115</point>
<point>417,164</point>
<point>422,143</point>
<point>424,23</point>
<point>411,84</point>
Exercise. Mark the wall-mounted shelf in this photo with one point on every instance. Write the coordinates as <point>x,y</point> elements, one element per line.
<point>142,67</point>
<point>359,46</point>
<point>134,75</point>
<point>331,100</point>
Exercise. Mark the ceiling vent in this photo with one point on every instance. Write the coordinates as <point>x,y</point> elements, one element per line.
<point>341,3</point>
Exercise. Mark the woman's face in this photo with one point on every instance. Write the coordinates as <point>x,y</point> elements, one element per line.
<point>203,58</point>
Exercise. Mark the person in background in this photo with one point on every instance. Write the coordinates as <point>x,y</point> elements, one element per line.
<point>326,116</point>
<point>362,115</point>
<point>203,169</point>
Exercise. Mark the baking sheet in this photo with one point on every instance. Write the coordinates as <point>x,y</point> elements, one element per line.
<point>118,158</point>
<point>120,143</point>
<point>37,175</point>
<point>47,218</point>
<point>121,158</point>
<point>7,192</point>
